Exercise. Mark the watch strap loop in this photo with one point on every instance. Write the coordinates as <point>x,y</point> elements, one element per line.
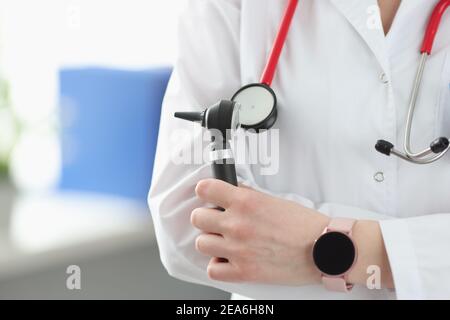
<point>344,225</point>
<point>336,284</point>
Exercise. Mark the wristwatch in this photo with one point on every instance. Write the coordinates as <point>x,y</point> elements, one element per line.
<point>335,254</point>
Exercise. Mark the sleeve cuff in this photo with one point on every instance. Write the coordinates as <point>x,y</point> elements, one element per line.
<point>403,260</point>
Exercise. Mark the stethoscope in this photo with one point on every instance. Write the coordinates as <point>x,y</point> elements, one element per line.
<point>259,102</point>
<point>439,147</point>
<point>254,106</point>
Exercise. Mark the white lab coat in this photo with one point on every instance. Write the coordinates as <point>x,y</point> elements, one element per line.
<point>341,86</point>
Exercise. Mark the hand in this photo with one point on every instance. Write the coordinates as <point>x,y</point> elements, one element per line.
<point>263,239</point>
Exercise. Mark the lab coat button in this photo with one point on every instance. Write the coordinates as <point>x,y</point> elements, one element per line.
<point>384,78</point>
<point>379,177</point>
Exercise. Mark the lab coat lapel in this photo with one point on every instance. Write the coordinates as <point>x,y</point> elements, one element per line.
<point>360,15</point>
<point>408,28</point>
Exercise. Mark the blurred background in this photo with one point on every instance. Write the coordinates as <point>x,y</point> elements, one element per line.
<point>81,86</point>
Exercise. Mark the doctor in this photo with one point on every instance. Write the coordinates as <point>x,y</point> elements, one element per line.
<point>342,83</point>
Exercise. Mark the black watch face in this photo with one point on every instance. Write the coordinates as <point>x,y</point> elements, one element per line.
<point>334,253</point>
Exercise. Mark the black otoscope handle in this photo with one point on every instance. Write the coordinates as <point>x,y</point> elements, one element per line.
<point>223,162</point>
<point>225,172</point>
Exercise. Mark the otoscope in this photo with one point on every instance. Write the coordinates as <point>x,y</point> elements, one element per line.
<point>220,118</point>
<point>253,107</point>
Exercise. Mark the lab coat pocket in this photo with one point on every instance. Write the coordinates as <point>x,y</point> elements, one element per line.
<point>443,114</point>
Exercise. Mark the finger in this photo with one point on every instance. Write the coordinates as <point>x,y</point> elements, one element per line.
<point>212,245</point>
<point>208,220</point>
<point>244,186</point>
<point>223,271</point>
<point>216,192</point>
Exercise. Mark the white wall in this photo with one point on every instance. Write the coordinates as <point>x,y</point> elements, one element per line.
<point>39,37</point>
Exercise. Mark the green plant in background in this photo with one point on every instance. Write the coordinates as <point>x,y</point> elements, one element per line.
<point>8,129</point>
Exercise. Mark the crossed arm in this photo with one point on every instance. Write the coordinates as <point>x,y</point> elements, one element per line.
<point>263,239</point>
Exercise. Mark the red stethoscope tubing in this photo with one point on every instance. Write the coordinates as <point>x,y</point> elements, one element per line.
<point>269,71</point>
<point>280,40</point>
<point>433,26</point>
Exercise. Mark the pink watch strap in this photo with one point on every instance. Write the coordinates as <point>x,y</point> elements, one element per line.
<point>336,284</point>
<point>340,284</point>
<point>343,225</point>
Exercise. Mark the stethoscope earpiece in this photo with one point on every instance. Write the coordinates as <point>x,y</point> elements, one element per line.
<point>384,147</point>
<point>438,148</point>
<point>439,145</point>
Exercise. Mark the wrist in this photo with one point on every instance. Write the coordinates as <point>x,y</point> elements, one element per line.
<point>370,251</point>
<point>369,241</point>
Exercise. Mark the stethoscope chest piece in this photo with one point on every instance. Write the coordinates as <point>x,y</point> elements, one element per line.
<point>258,102</point>
<point>258,106</point>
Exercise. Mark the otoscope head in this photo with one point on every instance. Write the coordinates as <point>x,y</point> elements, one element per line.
<point>439,145</point>
<point>192,116</point>
<point>221,116</point>
<point>384,147</point>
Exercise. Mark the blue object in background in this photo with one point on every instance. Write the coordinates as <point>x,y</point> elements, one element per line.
<point>110,121</point>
